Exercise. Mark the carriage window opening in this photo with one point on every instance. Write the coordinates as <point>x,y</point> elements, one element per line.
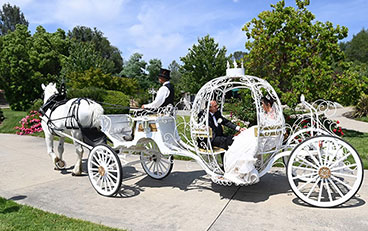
<point>240,108</point>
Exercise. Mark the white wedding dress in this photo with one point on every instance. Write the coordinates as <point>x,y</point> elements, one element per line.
<point>239,159</point>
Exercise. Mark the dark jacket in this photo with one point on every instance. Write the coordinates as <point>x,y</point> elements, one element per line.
<point>218,131</point>
<point>170,98</point>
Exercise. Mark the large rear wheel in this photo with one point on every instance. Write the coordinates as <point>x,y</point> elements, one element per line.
<point>155,164</point>
<point>325,171</point>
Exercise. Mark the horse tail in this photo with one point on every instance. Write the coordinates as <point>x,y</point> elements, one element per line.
<point>96,112</point>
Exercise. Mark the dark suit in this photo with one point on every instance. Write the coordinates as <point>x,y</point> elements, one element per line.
<point>218,138</point>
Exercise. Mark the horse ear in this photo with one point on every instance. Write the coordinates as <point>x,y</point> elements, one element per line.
<point>43,86</point>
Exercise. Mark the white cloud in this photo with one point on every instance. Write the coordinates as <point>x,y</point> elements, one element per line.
<point>70,13</point>
<point>233,38</point>
<point>156,35</point>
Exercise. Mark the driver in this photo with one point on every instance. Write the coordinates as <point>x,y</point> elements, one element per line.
<point>165,94</point>
<point>164,97</point>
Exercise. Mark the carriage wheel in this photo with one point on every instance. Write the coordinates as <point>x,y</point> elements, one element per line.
<point>104,170</point>
<point>333,168</point>
<point>153,162</point>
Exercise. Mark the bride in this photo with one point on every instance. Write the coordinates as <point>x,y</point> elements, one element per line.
<point>239,159</point>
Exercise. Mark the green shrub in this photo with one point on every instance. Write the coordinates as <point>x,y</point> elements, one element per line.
<point>97,78</point>
<point>96,94</point>
<point>243,107</point>
<point>361,109</point>
<point>115,102</point>
<point>36,105</point>
<point>143,97</point>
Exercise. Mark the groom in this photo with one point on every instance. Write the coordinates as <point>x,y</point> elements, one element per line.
<point>215,120</point>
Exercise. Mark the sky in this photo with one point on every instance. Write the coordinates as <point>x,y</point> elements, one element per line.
<point>166,29</point>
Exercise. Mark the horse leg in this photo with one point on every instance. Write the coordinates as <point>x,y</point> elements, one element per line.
<point>61,163</point>
<point>79,150</point>
<point>49,138</point>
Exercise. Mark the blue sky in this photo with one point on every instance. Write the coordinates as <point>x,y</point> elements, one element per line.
<point>166,29</point>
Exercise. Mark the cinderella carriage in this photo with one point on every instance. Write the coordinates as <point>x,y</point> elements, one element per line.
<point>322,169</point>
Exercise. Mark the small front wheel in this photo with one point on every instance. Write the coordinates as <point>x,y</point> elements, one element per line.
<point>104,170</point>
<point>153,162</point>
<point>325,171</point>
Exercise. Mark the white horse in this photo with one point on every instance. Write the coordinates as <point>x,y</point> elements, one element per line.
<point>86,115</point>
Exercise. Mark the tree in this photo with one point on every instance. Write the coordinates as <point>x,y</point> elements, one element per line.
<point>357,48</point>
<point>10,16</point>
<point>153,68</point>
<point>135,68</point>
<point>101,44</point>
<point>17,76</point>
<point>51,50</point>
<point>26,62</point>
<point>82,57</point>
<point>295,53</point>
<point>238,55</point>
<point>175,74</point>
<point>203,62</point>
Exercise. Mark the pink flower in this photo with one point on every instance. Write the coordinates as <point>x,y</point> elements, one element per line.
<point>337,122</point>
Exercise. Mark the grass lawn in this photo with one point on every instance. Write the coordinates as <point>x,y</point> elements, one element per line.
<point>12,119</point>
<point>14,216</point>
<point>364,119</point>
<point>359,141</point>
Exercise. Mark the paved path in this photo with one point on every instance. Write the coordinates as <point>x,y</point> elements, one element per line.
<point>347,123</point>
<point>185,200</point>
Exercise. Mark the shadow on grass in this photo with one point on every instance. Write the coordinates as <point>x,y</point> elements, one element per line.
<point>11,209</point>
<point>353,133</point>
<point>4,206</point>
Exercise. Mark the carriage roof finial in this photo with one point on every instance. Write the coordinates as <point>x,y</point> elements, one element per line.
<point>236,71</point>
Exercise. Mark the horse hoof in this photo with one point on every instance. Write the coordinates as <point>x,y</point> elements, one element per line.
<point>60,164</point>
<point>74,174</point>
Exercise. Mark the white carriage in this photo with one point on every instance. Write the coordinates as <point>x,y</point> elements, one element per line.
<point>322,169</point>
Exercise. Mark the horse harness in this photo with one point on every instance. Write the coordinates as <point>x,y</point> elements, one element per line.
<point>71,120</point>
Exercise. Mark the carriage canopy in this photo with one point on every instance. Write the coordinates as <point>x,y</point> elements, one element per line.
<point>217,89</point>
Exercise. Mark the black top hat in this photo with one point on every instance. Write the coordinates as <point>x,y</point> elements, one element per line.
<point>164,73</point>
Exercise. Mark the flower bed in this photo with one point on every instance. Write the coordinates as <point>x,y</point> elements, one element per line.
<point>29,124</point>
